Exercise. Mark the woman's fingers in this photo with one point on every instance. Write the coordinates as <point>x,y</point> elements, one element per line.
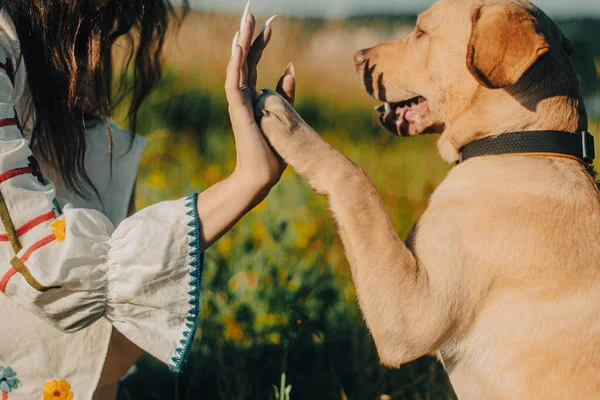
<point>255,55</point>
<point>257,49</point>
<point>245,41</point>
<point>259,45</point>
<point>246,34</point>
<point>287,84</point>
<point>235,97</point>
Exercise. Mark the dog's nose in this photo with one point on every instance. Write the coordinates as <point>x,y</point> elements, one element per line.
<point>360,57</point>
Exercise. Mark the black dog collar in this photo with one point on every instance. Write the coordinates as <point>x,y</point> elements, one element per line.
<point>579,146</point>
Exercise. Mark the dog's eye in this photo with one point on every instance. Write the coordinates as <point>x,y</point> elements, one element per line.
<point>419,33</point>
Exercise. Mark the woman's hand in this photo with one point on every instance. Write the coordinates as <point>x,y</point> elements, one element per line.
<point>258,167</point>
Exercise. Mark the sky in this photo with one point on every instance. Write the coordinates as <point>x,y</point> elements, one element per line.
<point>340,8</point>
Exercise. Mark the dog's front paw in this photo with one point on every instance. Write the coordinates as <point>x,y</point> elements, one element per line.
<point>295,141</point>
<point>280,123</point>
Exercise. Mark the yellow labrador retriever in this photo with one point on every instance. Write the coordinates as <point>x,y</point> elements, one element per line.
<point>501,276</point>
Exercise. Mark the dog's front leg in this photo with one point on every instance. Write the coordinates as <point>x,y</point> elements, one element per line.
<point>407,316</point>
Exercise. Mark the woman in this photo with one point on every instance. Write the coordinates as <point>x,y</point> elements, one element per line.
<point>81,297</point>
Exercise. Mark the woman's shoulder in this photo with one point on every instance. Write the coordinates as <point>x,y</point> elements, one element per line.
<point>106,132</point>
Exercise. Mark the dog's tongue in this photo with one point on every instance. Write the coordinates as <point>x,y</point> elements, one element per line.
<point>408,116</point>
<point>415,111</point>
<point>402,124</point>
<point>399,119</point>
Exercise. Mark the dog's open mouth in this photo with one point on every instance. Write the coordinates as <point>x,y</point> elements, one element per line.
<point>400,117</point>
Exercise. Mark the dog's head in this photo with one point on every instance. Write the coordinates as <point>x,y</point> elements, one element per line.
<point>460,52</point>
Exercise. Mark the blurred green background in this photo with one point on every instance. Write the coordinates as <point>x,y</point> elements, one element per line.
<point>277,294</point>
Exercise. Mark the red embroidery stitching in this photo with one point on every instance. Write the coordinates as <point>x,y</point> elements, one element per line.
<point>41,243</point>
<point>8,122</point>
<point>15,172</point>
<point>11,272</point>
<point>31,224</point>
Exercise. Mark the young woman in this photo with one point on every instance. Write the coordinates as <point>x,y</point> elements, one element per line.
<point>81,297</point>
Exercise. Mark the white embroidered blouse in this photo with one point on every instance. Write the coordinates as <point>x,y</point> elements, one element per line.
<point>67,276</point>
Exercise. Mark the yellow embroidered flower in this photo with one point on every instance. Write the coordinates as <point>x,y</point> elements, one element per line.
<point>59,228</point>
<point>57,390</point>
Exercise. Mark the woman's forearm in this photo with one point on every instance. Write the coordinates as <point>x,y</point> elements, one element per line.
<point>221,206</point>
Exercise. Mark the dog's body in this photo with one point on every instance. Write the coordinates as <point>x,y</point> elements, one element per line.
<point>501,276</point>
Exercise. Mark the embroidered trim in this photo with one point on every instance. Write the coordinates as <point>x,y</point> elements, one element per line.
<point>57,390</point>
<point>56,207</point>
<point>197,265</point>
<point>9,227</point>
<point>24,271</point>
<point>30,225</point>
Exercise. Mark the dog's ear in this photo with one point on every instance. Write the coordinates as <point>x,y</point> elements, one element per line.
<point>504,45</point>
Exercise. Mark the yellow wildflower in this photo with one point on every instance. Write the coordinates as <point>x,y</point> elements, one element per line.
<point>251,279</point>
<point>225,245</point>
<point>259,231</point>
<point>262,206</point>
<point>275,338</point>
<point>157,179</point>
<point>232,331</point>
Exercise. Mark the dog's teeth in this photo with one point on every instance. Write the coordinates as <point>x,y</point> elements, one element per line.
<point>245,16</point>
<point>388,107</point>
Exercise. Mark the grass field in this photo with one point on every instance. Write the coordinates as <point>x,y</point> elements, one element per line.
<point>277,295</point>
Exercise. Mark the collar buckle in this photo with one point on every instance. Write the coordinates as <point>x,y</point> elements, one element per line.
<point>588,147</point>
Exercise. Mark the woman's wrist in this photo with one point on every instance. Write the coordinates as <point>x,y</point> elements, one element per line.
<point>254,189</point>
<point>222,205</point>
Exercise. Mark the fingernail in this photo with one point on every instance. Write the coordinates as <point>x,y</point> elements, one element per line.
<point>264,28</point>
<point>290,69</point>
<point>234,43</point>
<point>245,16</point>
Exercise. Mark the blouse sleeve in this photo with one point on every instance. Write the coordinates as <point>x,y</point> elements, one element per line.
<point>71,267</point>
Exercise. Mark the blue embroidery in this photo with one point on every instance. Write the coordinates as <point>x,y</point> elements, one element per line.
<point>56,207</point>
<point>197,265</point>
<point>8,379</point>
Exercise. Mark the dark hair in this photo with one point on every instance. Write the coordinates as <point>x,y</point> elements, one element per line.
<point>67,48</point>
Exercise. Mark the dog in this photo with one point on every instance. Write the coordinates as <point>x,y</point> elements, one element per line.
<point>500,278</point>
